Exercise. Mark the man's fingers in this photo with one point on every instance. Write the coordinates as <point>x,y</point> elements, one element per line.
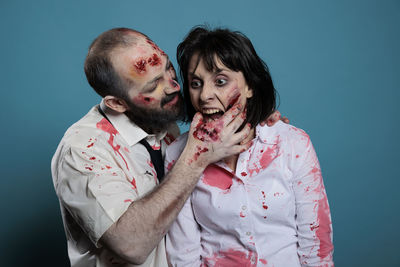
<point>231,114</point>
<point>285,120</point>
<point>197,119</point>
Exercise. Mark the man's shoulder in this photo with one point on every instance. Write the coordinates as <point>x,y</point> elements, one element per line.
<point>86,131</point>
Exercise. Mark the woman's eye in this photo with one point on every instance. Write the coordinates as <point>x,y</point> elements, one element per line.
<point>195,84</point>
<point>220,82</point>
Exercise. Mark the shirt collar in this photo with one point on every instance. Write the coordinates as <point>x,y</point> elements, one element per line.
<point>267,134</point>
<point>128,129</point>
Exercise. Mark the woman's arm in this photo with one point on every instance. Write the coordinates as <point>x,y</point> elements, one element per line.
<point>314,226</point>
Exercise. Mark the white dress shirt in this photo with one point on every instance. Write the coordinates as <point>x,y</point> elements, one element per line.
<point>273,211</point>
<point>98,170</point>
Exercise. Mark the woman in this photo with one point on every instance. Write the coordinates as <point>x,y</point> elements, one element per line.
<point>266,206</point>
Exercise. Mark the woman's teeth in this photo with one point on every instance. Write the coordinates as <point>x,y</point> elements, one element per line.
<point>211,111</point>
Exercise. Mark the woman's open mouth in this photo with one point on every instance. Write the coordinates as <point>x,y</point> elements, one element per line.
<point>212,113</point>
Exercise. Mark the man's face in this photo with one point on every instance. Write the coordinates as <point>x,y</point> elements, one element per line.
<point>154,97</point>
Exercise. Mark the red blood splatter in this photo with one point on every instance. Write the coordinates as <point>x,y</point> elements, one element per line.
<point>208,131</point>
<point>217,177</point>
<point>155,47</point>
<point>265,217</point>
<point>154,60</point>
<point>128,200</point>
<point>263,261</point>
<point>244,174</point>
<point>232,258</point>
<point>324,230</point>
<point>169,138</point>
<point>108,167</point>
<point>170,165</point>
<point>90,145</point>
<point>199,151</point>
<point>263,193</point>
<point>156,147</point>
<point>92,158</point>
<point>107,127</point>
<point>242,214</point>
<point>266,158</point>
<point>233,101</point>
<point>265,206</point>
<point>88,168</point>
<point>297,156</point>
<point>140,66</point>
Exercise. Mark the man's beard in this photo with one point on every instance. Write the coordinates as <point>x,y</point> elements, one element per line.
<point>153,121</point>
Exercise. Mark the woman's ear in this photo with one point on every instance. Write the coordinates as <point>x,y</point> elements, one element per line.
<point>249,93</point>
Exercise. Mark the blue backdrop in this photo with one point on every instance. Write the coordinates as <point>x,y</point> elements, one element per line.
<point>335,65</point>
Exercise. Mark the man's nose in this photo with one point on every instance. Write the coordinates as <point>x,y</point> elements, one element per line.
<point>172,86</point>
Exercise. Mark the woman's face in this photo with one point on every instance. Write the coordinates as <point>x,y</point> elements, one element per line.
<point>213,93</point>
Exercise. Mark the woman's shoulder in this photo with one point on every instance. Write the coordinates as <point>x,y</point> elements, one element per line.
<point>283,132</point>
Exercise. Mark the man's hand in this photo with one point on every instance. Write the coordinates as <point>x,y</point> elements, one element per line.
<point>273,118</point>
<point>209,142</point>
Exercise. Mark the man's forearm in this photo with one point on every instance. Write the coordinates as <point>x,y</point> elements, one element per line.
<point>144,224</point>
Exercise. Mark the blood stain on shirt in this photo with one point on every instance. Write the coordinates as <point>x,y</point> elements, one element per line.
<point>263,261</point>
<point>265,159</point>
<point>107,127</point>
<point>242,214</point>
<point>232,257</point>
<point>170,165</point>
<point>217,177</point>
<point>243,174</point>
<point>128,200</point>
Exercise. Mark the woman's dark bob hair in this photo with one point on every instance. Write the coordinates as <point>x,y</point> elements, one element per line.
<point>237,53</point>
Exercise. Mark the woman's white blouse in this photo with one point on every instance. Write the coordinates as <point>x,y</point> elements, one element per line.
<point>272,212</point>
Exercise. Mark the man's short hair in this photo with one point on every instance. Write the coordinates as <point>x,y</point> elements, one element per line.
<point>99,70</point>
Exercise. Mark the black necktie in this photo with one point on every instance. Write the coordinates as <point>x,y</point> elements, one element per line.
<point>156,159</point>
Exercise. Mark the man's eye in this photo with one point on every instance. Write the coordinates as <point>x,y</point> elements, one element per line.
<point>195,84</point>
<point>220,82</point>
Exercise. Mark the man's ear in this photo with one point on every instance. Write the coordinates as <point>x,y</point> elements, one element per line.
<point>115,103</point>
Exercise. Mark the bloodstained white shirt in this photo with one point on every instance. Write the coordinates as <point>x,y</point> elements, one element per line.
<point>98,170</point>
<point>272,212</point>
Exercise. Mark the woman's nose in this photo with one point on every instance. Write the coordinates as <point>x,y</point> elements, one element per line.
<point>207,92</point>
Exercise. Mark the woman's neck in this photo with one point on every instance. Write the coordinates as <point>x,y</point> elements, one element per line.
<point>232,160</point>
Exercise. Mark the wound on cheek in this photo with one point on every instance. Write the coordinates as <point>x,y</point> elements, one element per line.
<point>140,99</point>
<point>233,101</point>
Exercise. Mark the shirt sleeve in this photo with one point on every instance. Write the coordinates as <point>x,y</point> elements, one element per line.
<point>94,190</point>
<point>183,239</point>
<point>314,226</point>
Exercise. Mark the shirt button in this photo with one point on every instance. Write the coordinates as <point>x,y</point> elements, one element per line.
<point>244,207</point>
<point>248,233</point>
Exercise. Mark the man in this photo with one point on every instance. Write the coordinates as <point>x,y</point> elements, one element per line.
<point>108,166</point>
